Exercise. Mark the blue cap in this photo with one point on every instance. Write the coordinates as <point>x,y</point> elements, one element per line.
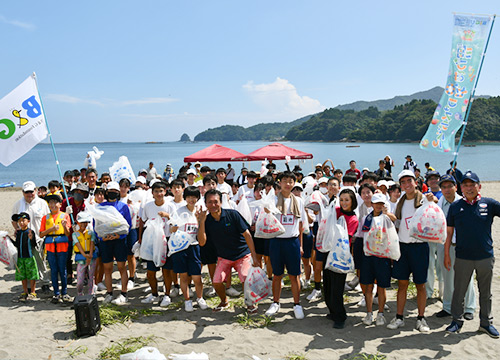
<point>447,177</point>
<point>469,175</point>
<point>432,173</point>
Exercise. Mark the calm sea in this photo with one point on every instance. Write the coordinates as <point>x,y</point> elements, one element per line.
<point>39,165</point>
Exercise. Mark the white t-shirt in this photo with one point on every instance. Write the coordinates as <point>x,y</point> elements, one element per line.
<point>191,227</point>
<point>407,213</point>
<point>224,188</point>
<point>289,221</point>
<point>150,212</point>
<point>244,190</point>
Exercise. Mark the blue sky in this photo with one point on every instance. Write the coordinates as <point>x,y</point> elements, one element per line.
<point>152,70</point>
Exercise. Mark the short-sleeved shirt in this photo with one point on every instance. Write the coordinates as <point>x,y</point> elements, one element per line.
<point>227,234</point>
<point>353,172</point>
<point>472,225</point>
<point>289,221</point>
<point>407,212</point>
<point>191,226</point>
<point>246,191</point>
<point>151,210</point>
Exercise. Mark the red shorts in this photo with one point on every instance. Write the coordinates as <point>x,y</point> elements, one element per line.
<point>224,266</point>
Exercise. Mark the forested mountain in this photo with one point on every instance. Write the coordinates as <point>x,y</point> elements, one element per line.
<point>406,122</point>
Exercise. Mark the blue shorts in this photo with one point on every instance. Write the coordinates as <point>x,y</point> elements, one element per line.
<point>375,268</point>
<point>315,228</point>
<point>261,246</point>
<point>187,261</point>
<point>414,260</point>
<point>113,250</point>
<point>307,245</point>
<point>358,253</point>
<point>131,240</point>
<point>152,267</point>
<point>285,252</point>
<point>208,253</point>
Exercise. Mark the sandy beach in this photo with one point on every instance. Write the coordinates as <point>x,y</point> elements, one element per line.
<point>41,330</point>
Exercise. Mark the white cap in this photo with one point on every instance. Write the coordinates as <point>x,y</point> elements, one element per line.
<point>298,185</point>
<point>379,198</point>
<point>322,180</point>
<point>319,165</point>
<point>29,186</point>
<point>383,183</point>
<point>308,180</point>
<point>141,179</point>
<point>366,169</point>
<point>405,173</point>
<point>390,183</point>
<point>153,181</point>
<point>113,185</point>
<point>191,171</point>
<point>84,216</point>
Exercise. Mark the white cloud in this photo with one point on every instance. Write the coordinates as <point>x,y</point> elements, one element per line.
<point>68,99</point>
<point>147,101</point>
<point>17,23</point>
<point>282,96</point>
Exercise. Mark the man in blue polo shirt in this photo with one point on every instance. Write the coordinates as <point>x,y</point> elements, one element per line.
<point>471,217</point>
<point>230,234</point>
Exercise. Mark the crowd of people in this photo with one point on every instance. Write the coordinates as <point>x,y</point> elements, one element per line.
<point>54,224</point>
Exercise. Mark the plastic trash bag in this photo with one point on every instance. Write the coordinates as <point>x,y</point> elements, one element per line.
<point>122,169</point>
<point>179,240</point>
<point>144,353</point>
<point>192,356</point>
<point>8,252</point>
<point>428,223</point>
<point>257,286</point>
<point>244,209</point>
<point>382,239</point>
<point>315,201</point>
<point>267,226</point>
<point>136,249</point>
<point>339,259</point>
<point>325,238</point>
<point>108,220</point>
<point>154,242</point>
<point>263,169</point>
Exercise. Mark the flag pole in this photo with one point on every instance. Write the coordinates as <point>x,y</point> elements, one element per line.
<point>53,149</point>
<point>473,93</point>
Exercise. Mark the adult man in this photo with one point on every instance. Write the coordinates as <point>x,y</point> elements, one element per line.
<point>230,234</point>
<point>432,181</point>
<point>229,174</point>
<point>409,164</point>
<point>91,177</point>
<point>471,217</point>
<point>381,172</point>
<point>352,170</point>
<point>414,253</point>
<point>151,172</point>
<point>36,208</point>
<point>449,189</point>
<point>286,250</point>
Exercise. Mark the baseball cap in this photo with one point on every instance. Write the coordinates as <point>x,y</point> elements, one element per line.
<point>432,173</point>
<point>191,171</point>
<point>366,169</point>
<point>113,185</point>
<point>408,156</point>
<point>447,177</point>
<point>379,198</point>
<point>298,186</point>
<point>143,171</point>
<point>322,180</point>
<point>244,169</point>
<point>153,181</point>
<point>469,175</point>
<point>383,183</point>
<point>69,173</point>
<point>29,186</point>
<point>319,165</point>
<point>141,179</point>
<point>84,216</point>
<point>22,215</point>
<point>405,173</point>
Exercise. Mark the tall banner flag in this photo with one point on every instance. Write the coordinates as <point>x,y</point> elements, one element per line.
<point>22,122</point>
<point>470,36</point>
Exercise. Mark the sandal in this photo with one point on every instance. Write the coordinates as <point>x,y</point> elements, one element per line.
<point>252,309</point>
<point>221,307</point>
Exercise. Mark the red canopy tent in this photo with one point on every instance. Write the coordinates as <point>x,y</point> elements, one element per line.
<point>215,153</point>
<point>277,151</point>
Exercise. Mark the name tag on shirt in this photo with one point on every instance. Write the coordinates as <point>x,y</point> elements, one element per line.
<point>191,228</point>
<point>407,222</point>
<point>287,219</point>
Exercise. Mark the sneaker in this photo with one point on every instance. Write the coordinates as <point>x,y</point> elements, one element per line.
<point>147,289</point>
<point>66,298</point>
<point>188,306</point>
<point>211,292</point>
<point>362,302</point>
<point>422,326</point>
<point>273,309</point>
<point>298,312</point>
<point>443,313</point>
<point>454,327</point>
<point>174,292</point>
<point>396,324</point>
<point>120,300</point>
<point>150,299</point>
<point>380,320</point>
<point>339,324</point>
<point>165,301</point>
<point>130,285</point>
<point>231,291</point>
<point>107,299</point>
<point>202,303</point>
<point>307,284</point>
<point>490,330</point>
<point>469,316</point>
<point>368,319</point>
<point>55,299</point>
<point>31,296</point>
<point>101,286</point>
<point>23,297</point>
<point>314,295</point>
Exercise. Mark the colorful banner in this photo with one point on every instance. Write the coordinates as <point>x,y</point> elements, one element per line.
<point>470,34</point>
<point>22,122</point>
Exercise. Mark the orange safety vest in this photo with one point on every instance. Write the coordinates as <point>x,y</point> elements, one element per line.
<point>56,241</point>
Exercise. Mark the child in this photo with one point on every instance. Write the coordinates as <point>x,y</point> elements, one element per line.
<point>26,268</point>
<point>55,229</point>
<point>334,283</point>
<point>375,268</point>
<point>54,188</point>
<point>394,195</point>
<point>85,254</point>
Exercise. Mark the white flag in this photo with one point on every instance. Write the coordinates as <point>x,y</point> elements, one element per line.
<point>22,122</point>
